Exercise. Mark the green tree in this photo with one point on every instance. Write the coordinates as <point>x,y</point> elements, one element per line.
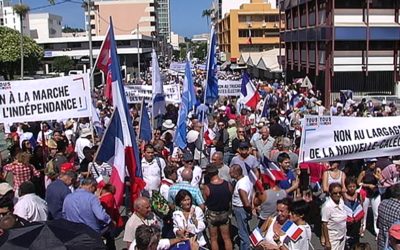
<point>10,52</point>
<point>63,64</point>
<point>207,13</point>
<point>200,51</point>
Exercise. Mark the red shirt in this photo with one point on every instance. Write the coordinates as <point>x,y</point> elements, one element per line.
<point>21,172</point>
<point>108,202</point>
<point>316,170</point>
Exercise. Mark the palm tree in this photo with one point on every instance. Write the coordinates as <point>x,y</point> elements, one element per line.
<point>21,10</point>
<point>207,13</point>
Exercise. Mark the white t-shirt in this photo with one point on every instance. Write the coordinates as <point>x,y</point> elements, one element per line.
<point>197,174</point>
<point>303,243</point>
<point>335,215</point>
<point>152,173</point>
<point>31,208</point>
<point>245,185</point>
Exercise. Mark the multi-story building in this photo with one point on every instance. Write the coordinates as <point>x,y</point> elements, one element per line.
<point>163,19</point>
<point>342,44</point>
<point>10,19</point>
<point>45,25</point>
<point>176,40</point>
<point>129,17</point>
<point>254,27</point>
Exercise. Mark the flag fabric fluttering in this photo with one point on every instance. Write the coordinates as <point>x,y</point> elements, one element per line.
<point>211,88</point>
<point>253,178</point>
<point>271,172</point>
<point>186,104</point>
<point>119,147</point>
<point>145,132</point>
<point>189,83</point>
<point>292,230</point>
<point>249,95</point>
<point>158,90</point>
<point>103,63</point>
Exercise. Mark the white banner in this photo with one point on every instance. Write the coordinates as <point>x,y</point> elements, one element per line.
<point>45,99</point>
<point>327,138</point>
<point>229,87</point>
<point>135,93</point>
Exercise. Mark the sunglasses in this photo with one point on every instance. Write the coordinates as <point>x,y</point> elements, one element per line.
<point>337,193</point>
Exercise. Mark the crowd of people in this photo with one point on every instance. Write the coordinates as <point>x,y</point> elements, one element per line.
<point>193,195</point>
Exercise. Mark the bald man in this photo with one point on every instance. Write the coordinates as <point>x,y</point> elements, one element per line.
<point>187,175</point>
<point>265,143</point>
<point>141,216</point>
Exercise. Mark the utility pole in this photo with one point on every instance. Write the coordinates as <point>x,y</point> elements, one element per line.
<point>21,42</point>
<point>138,51</point>
<point>89,29</point>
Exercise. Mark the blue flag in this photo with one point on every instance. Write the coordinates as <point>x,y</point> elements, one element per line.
<point>158,91</point>
<point>145,126</point>
<point>189,84</point>
<point>211,88</point>
<point>187,102</point>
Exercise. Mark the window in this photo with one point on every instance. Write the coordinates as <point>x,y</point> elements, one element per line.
<point>346,4</point>
<point>383,4</point>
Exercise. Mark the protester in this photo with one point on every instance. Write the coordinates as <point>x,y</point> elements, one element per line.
<point>368,180</point>
<point>218,197</point>
<point>241,203</point>
<point>82,206</point>
<point>334,219</point>
<point>30,206</point>
<point>188,219</point>
<point>141,216</point>
<point>388,213</point>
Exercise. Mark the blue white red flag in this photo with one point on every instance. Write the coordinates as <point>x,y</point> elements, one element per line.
<point>253,178</point>
<point>103,62</point>
<point>271,172</point>
<point>119,147</point>
<point>292,230</point>
<point>256,237</point>
<point>249,95</point>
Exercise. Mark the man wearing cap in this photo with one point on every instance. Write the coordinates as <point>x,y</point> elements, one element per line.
<point>188,163</point>
<point>388,213</point>
<point>244,158</point>
<point>221,141</point>
<point>30,206</point>
<point>222,115</point>
<point>56,193</point>
<point>82,142</point>
<point>168,127</point>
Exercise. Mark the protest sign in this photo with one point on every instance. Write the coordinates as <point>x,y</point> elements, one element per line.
<point>135,93</point>
<point>229,87</point>
<point>45,99</point>
<point>327,138</point>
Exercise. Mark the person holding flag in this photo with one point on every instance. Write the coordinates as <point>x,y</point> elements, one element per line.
<point>118,147</point>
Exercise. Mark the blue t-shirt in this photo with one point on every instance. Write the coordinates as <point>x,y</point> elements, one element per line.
<point>287,183</point>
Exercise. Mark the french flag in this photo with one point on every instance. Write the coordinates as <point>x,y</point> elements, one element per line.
<point>256,237</point>
<point>271,172</point>
<point>248,93</point>
<point>253,178</point>
<point>103,62</point>
<point>118,146</point>
<point>292,230</point>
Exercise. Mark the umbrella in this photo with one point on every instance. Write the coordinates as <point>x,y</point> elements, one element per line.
<point>54,235</point>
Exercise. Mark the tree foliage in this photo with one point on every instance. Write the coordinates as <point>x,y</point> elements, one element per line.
<point>68,29</point>
<point>10,52</point>
<point>63,64</point>
<point>21,9</point>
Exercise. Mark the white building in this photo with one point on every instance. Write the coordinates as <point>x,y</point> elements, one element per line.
<point>45,25</point>
<point>10,19</point>
<point>176,40</point>
<point>201,38</point>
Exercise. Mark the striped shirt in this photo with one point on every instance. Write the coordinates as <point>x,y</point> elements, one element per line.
<point>194,191</point>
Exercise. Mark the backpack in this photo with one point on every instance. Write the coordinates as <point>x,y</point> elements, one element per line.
<point>159,204</point>
<point>284,125</point>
